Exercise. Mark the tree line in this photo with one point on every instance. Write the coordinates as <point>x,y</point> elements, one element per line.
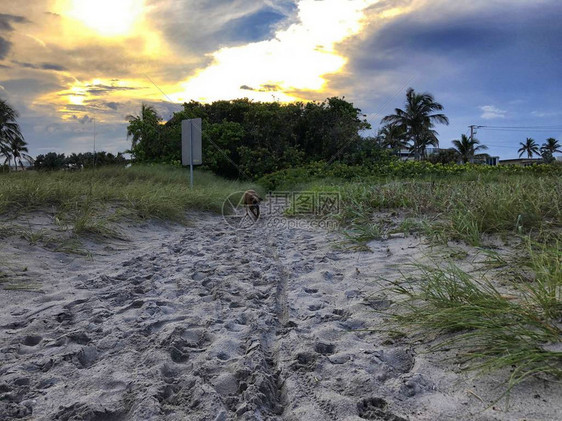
<point>412,128</point>
<point>55,161</point>
<point>246,139</point>
<point>546,150</point>
<point>242,138</point>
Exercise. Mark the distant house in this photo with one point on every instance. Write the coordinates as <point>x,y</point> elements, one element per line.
<point>408,155</point>
<point>523,162</point>
<point>484,159</point>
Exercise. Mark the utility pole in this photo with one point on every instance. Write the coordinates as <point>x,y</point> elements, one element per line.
<point>94,119</point>
<point>472,127</point>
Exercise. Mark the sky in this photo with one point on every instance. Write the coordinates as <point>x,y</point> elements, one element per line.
<point>75,69</point>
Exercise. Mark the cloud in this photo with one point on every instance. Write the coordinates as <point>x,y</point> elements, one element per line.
<point>4,47</point>
<point>6,26</point>
<point>112,105</point>
<point>490,112</point>
<point>544,114</point>
<point>295,59</point>
<point>212,24</point>
<point>42,66</point>
<point>102,89</point>
<point>7,20</point>
<point>51,66</point>
<point>84,119</point>
<point>461,37</point>
<point>263,88</point>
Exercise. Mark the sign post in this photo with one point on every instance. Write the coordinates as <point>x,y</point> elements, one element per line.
<point>191,149</point>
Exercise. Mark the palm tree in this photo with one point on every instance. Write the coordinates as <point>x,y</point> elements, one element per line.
<point>144,129</point>
<point>417,120</point>
<point>10,134</point>
<point>19,152</point>
<point>140,126</point>
<point>427,138</point>
<point>551,145</point>
<point>467,148</point>
<point>392,137</point>
<point>530,147</point>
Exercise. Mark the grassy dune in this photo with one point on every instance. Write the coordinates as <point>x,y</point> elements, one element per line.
<point>455,207</point>
<point>504,316</point>
<point>92,201</point>
<point>150,191</point>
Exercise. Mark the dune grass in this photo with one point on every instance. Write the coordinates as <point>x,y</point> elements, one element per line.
<point>90,202</point>
<point>517,328</point>
<point>454,207</point>
<point>150,191</point>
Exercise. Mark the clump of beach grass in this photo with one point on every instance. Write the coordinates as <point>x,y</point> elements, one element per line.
<point>518,327</point>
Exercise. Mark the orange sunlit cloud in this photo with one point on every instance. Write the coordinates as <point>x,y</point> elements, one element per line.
<point>294,59</point>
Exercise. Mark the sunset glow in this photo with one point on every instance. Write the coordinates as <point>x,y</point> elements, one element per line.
<point>64,62</point>
<point>297,59</point>
<point>107,17</point>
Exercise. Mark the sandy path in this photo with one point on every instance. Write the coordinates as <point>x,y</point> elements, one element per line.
<point>210,323</point>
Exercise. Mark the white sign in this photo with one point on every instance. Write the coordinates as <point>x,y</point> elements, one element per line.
<point>191,142</point>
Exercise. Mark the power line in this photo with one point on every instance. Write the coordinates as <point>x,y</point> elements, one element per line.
<point>524,130</point>
<point>552,126</point>
<point>157,87</point>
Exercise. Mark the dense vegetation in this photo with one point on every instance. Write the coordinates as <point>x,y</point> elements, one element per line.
<point>371,172</point>
<point>245,139</point>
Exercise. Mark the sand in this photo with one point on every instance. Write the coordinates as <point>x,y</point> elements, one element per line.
<point>211,323</point>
